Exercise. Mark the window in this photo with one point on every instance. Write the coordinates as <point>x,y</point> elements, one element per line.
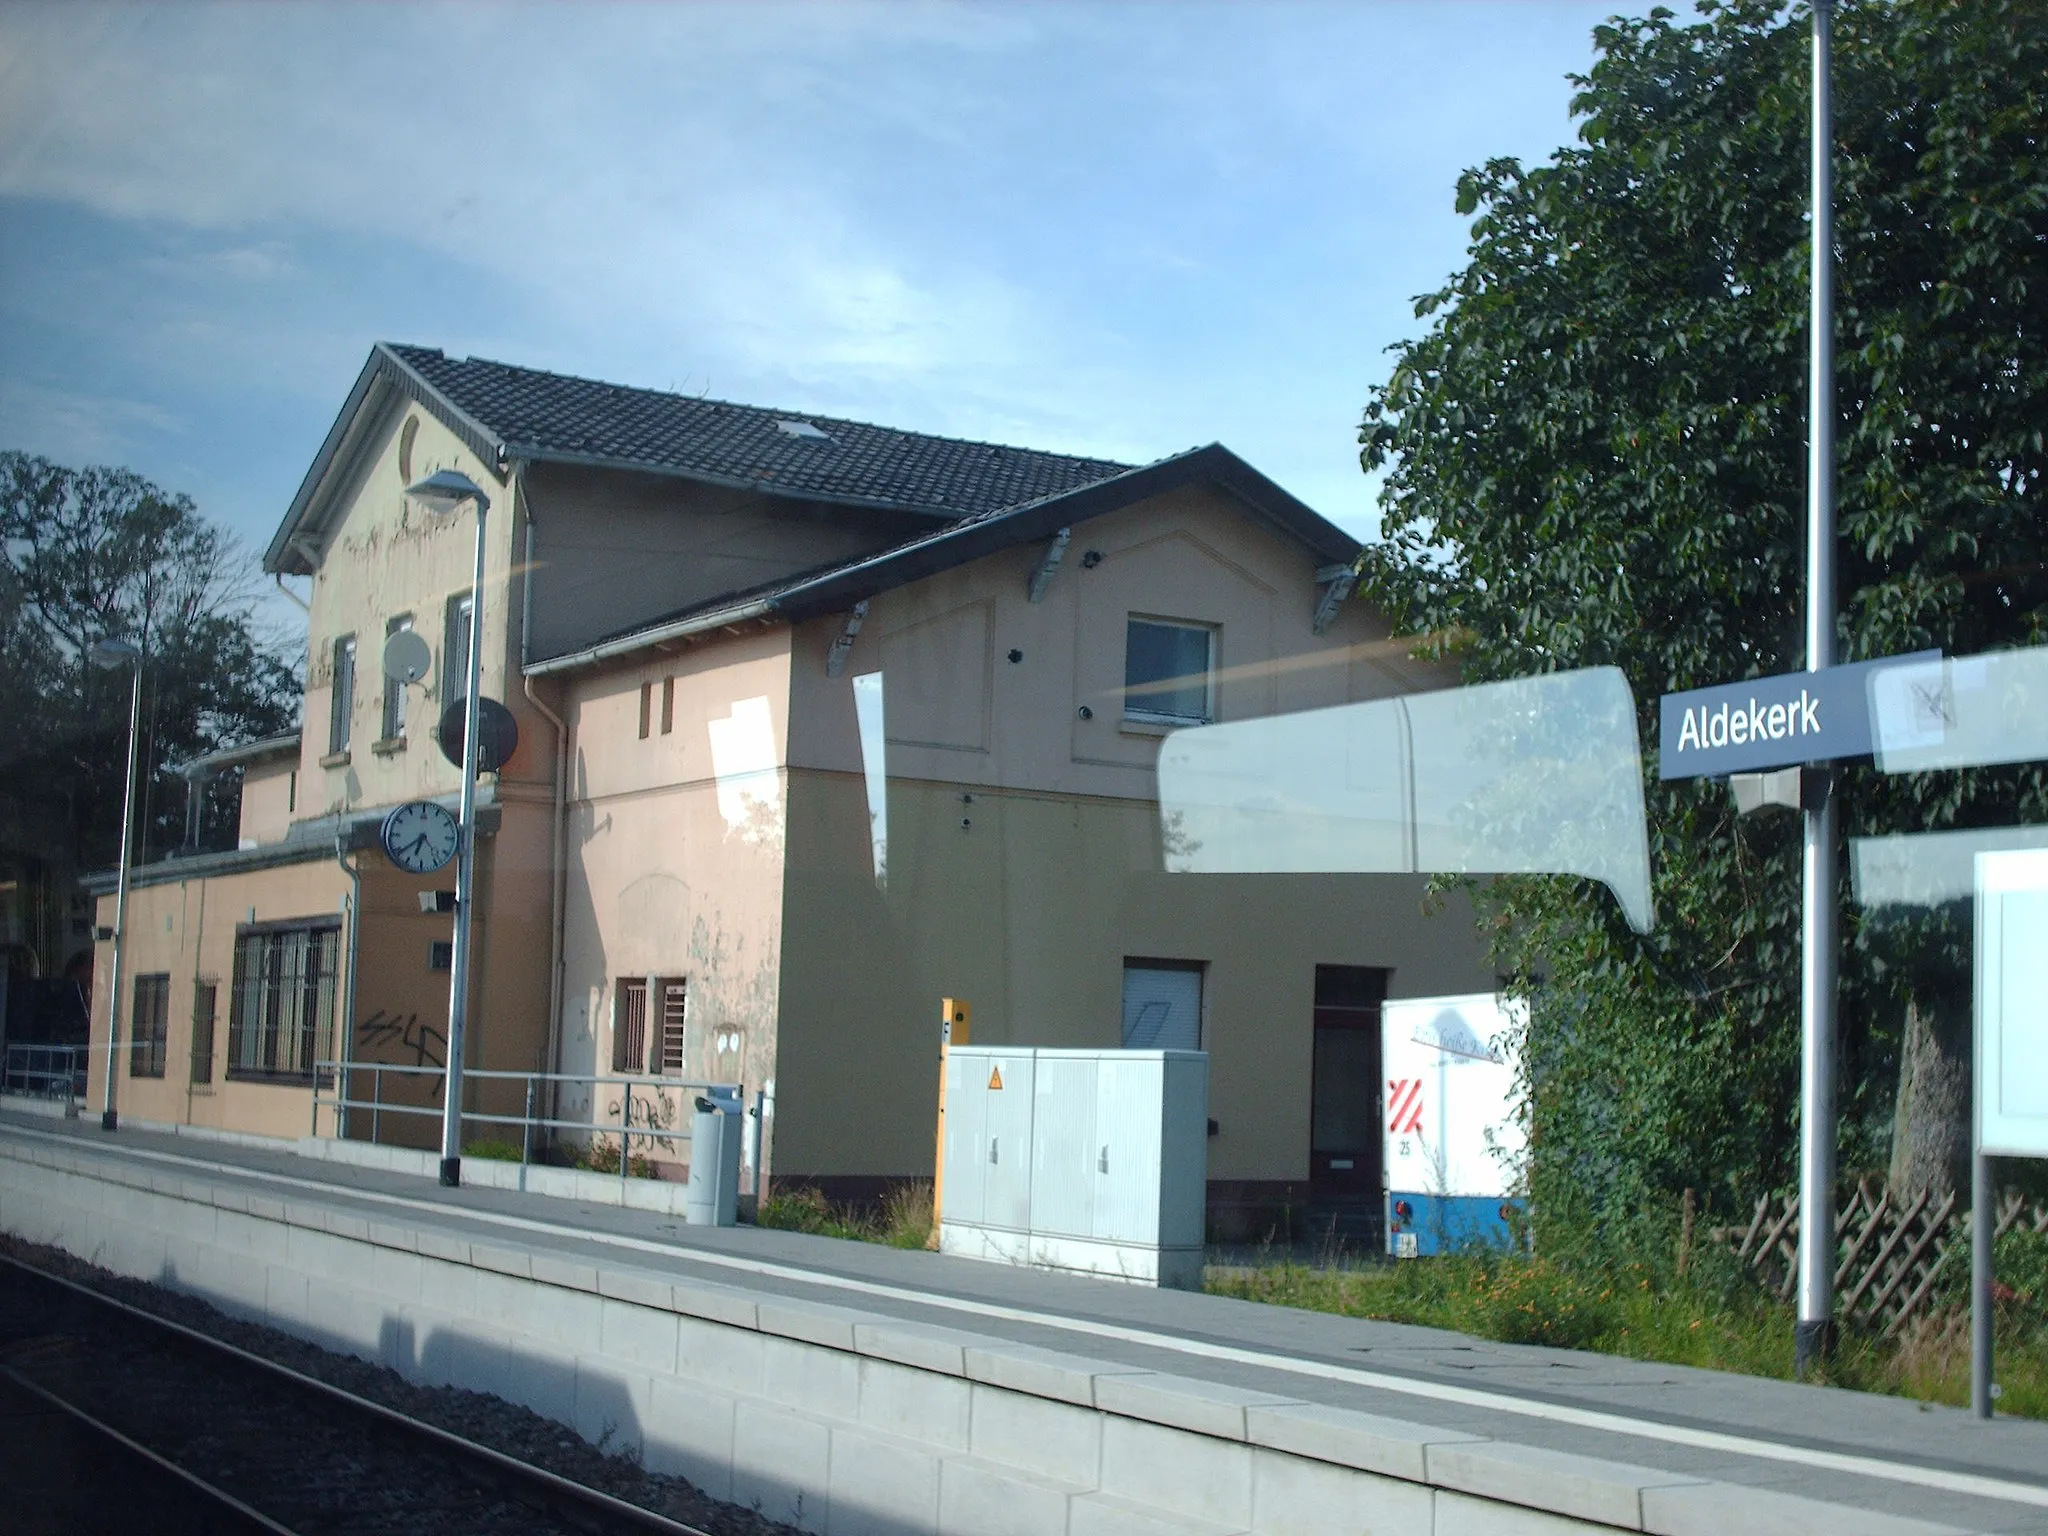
<point>629,1025</point>
<point>455,648</point>
<point>204,1006</point>
<point>152,1018</point>
<point>1168,672</point>
<point>281,1013</point>
<point>441,955</point>
<point>668,705</point>
<point>669,1059</point>
<point>1162,1005</point>
<point>646,707</point>
<point>342,706</point>
<point>394,688</point>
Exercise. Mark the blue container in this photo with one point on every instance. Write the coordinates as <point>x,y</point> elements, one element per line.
<point>1419,1225</point>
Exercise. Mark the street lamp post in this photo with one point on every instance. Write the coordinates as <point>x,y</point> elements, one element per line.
<point>445,493</point>
<point>111,654</point>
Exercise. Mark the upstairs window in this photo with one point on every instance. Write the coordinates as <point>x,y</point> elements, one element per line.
<point>1169,672</point>
<point>455,648</point>
<point>342,706</point>
<point>394,690</point>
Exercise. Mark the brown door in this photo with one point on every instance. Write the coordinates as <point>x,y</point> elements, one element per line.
<point>1344,1109</point>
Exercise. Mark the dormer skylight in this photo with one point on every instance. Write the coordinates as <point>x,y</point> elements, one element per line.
<point>802,429</point>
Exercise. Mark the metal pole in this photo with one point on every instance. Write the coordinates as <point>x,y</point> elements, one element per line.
<point>1813,1338</point>
<point>465,874</point>
<point>108,1118</point>
<point>1983,1235</point>
<point>526,1129</point>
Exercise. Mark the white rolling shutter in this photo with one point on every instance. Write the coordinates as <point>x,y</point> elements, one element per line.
<point>1162,1008</point>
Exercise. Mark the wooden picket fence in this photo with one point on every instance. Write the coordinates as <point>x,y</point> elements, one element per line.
<point>1892,1251</point>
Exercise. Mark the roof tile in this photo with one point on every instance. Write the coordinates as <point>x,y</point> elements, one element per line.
<point>551,415</point>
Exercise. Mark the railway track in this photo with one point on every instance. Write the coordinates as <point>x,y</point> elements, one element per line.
<point>214,1437</point>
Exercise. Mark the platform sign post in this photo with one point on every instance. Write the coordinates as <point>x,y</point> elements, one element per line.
<point>954,1029</point>
<point>2011,1066</point>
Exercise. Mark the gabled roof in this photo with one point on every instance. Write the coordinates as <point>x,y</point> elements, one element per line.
<point>503,413</point>
<point>221,758</point>
<point>836,588</point>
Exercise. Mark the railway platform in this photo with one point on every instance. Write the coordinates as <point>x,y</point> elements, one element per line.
<point>849,1387</point>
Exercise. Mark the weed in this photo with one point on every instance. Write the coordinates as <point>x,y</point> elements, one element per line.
<point>904,1219</point>
<point>1702,1317</point>
<point>603,1157</point>
<point>493,1150</point>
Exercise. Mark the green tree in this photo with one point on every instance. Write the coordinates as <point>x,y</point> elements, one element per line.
<point>90,553</point>
<point>1595,456</point>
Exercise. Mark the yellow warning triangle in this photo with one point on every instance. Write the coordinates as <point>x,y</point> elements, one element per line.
<point>995,1078</point>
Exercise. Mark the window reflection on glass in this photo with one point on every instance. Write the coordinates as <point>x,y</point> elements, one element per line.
<point>1961,712</point>
<point>874,758</point>
<point>1540,775</point>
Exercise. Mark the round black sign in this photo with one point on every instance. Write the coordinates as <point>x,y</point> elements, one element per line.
<point>497,734</point>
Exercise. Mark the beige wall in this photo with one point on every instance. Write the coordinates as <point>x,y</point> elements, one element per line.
<point>959,710</point>
<point>615,550</point>
<point>389,556</point>
<point>671,871</point>
<point>400,1001</point>
<point>1023,860</point>
<point>188,931</point>
<point>1029,914</point>
<point>269,800</point>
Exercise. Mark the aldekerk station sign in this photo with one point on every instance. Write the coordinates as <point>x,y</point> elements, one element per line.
<point>1770,722</point>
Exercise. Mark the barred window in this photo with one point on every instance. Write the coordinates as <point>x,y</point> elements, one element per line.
<point>152,1022</point>
<point>669,1059</point>
<point>204,994</point>
<point>281,1015</point>
<point>629,1025</point>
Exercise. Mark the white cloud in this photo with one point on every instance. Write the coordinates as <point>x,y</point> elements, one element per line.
<point>75,428</point>
<point>1115,229</point>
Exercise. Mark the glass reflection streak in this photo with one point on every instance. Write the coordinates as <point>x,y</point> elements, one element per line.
<point>1540,775</point>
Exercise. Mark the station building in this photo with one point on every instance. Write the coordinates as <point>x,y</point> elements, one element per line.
<point>680,869</point>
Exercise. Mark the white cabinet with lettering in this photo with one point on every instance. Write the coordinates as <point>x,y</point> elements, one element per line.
<point>1116,1160</point>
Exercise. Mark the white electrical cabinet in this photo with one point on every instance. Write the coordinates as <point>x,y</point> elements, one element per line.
<point>1094,1161</point>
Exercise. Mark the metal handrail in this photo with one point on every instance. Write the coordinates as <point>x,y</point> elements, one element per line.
<point>42,1071</point>
<point>337,1072</point>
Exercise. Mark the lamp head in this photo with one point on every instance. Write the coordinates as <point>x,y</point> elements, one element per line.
<point>113,653</point>
<point>446,490</point>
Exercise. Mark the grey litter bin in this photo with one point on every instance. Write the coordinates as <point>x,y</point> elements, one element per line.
<point>714,1197</point>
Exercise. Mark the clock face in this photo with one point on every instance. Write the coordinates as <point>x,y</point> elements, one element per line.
<point>420,836</point>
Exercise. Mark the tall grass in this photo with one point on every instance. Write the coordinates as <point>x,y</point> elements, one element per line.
<point>1708,1317</point>
<point>902,1220</point>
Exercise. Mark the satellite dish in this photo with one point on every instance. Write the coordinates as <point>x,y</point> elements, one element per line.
<point>407,656</point>
<point>497,733</point>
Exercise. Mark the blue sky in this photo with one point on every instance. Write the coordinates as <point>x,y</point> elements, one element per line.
<point>1117,229</point>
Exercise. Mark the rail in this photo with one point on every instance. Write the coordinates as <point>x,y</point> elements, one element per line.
<point>45,1071</point>
<point>585,1507</point>
<point>662,1105</point>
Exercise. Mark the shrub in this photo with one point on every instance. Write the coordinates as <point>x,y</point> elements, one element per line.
<point>495,1150</point>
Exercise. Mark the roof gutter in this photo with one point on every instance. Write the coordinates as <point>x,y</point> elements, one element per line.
<point>640,640</point>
